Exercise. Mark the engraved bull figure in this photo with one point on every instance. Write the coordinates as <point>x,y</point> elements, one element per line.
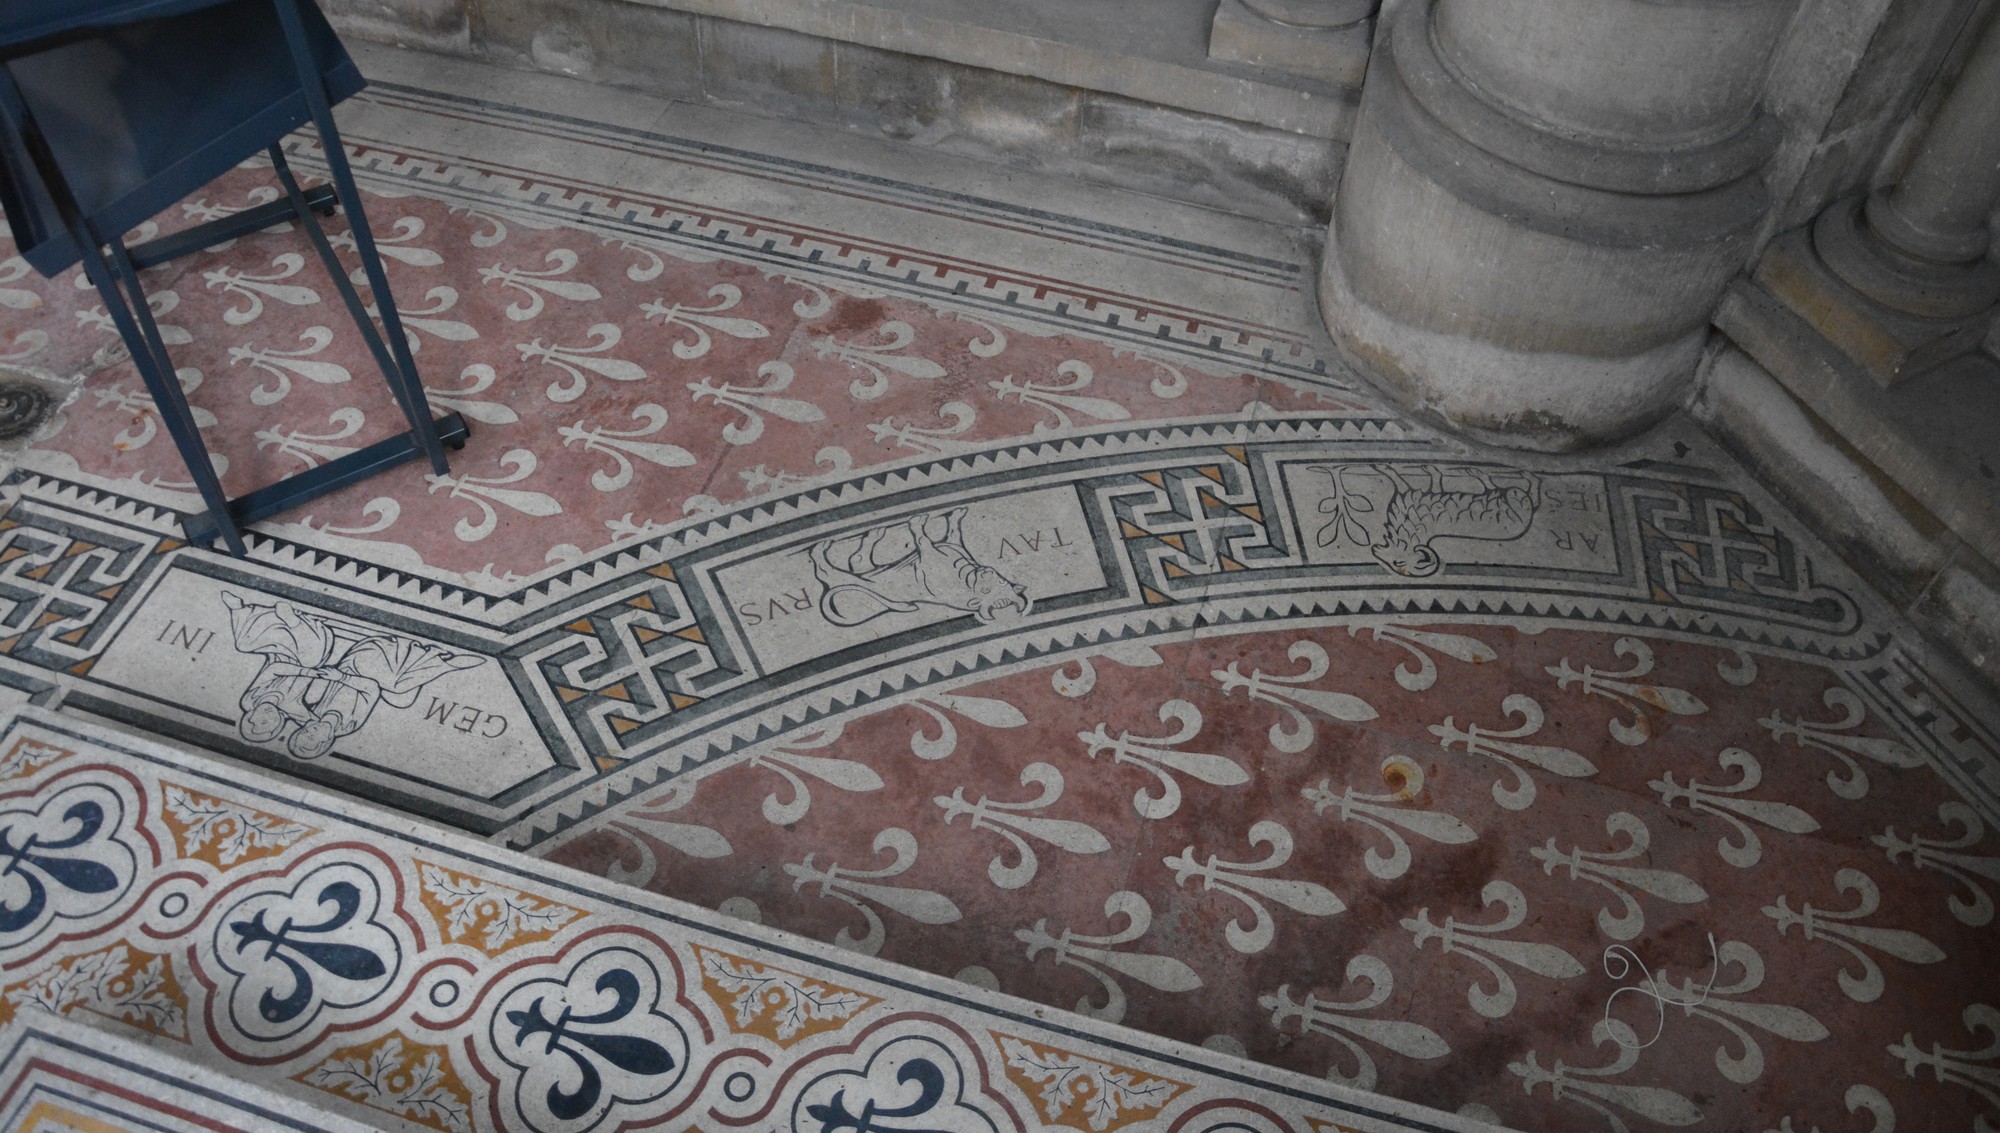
<point>899,567</point>
<point>1415,515</point>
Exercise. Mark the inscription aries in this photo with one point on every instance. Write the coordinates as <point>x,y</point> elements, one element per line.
<point>1457,502</point>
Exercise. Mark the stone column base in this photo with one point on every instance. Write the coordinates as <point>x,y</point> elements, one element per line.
<point>1504,294</point>
<point>1542,401</point>
<point>1337,56</point>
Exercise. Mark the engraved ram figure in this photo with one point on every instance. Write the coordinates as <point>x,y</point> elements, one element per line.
<point>1456,502</point>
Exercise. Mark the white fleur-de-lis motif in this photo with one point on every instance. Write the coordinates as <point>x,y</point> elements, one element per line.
<point>1842,931</point>
<point>831,460</point>
<point>1013,822</point>
<point>160,303</point>
<point>1128,653</point>
<point>200,210</point>
<point>816,302</point>
<point>1059,400</point>
<point>478,378</point>
<point>27,344</point>
<point>1287,694</point>
<point>1101,956</point>
<point>1504,749</point>
<point>650,820</point>
<point>311,449</point>
<point>1944,857</point>
<point>1835,738</point>
<point>789,763</point>
<point>251,290</point>
<point>700,321</point>
<point>1976,1070</point>
<point>621,445</point>
<point>1601,867</point>
<point>1623,688</point>
<point>985,710</point>
<point>1591,1087</point>
<point>650,264</point>
<point>535,285</point>
<point>145,412</point>
<point>574,360</point>
<point>394,247</point>
<point>13,270</point>
<point>384,510</point>
<point>1741,670</point>
<point>216,460</point>
<point>878,359</point>
<point>1858,1098</point>
<point>1728,804</point>
<point>1157,755</point>
<point>282,365</point>
<point>1718,1003</point>
<point>1171,383</point>
<point>888,431</point>
<point>1384,813</point>
<point>479,490</point>
<point>494,231</point>
<point>626,527</point>
<point>1418,643</point>
<point>443,299</point>
<point>991,343</point>
<point>755,401</point>
<point>862,889</point>
<point>1483,945</point>
<point>1343,1022</point>
<point>1235,879</point>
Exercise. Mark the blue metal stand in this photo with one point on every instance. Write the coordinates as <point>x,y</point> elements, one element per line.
<point>57,228</point>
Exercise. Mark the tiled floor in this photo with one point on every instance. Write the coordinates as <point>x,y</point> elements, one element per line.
<point>995,577</point>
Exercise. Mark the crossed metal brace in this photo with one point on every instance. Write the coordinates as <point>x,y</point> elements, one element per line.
<point>114,269</point>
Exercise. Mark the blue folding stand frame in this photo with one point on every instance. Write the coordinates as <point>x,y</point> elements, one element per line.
<point>173,93</point>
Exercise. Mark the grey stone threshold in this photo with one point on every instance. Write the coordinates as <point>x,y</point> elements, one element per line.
<point>1905,483</point>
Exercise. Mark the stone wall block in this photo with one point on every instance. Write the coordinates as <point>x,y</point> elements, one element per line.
<point>435,25</point>
<point>627,45</point>
<point>1228,166</point>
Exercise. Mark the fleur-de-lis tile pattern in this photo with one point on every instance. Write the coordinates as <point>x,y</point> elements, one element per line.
<point>373,973</point>
<point>1097,646</point>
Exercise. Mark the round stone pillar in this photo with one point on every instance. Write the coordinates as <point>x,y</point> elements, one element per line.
<point>1542,202</point>
<point>1918,248</point>
<point>1941,208</point>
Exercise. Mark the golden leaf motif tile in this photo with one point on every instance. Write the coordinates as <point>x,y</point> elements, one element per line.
<point>27,756</point>
<point>492,918</point>
<point>782,1006</point>
<point>412,1080</point>
<point>48,1117</point>
<point>225,833</point>
<point>123,983</point>
<point>1080,1093</point>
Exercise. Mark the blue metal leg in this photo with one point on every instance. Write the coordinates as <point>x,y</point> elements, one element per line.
<point>401,381</point>
<point>142,337</point>
<point>314,87</point>
<point>133,319</point>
